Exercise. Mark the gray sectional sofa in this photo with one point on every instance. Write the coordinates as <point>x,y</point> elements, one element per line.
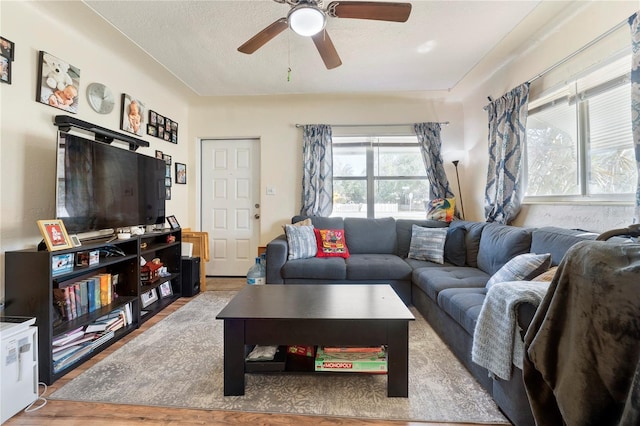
<point>449,295</point>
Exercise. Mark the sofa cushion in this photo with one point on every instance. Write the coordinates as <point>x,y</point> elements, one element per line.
<point>376,267</point>
<point>427,244</point>
<point>463,305</point>
<point>455,248</point>
<point>471,239</point>
<point>557,241</point>
<point>326,268</point>
<point>321,222</point>
<point>501,243</point>
<point>301,241</point>
<point>403,232</point>
<point>331,243</point>
<point>370,235</point>
<point>434,280</point>
<point>521,268</point>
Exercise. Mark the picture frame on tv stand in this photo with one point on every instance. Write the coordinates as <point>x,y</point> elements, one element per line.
<point>54,234</point>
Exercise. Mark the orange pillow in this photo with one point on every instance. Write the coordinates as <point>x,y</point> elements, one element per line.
<point>331,243</point>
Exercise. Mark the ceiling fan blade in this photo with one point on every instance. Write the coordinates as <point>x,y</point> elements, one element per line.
<point>327,50</point>
<point>260,39</point>
<point>379,11</point>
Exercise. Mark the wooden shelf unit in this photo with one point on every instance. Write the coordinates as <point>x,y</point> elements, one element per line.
<point>29,284</point>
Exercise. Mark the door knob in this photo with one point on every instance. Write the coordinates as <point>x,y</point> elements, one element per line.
<point>257,216</point>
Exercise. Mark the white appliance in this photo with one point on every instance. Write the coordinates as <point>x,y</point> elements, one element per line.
<point>18,365</point>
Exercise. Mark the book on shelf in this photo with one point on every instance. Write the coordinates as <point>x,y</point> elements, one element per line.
<point>358,362</point>
<point>84,297</point>
<point>69,336</point>
<point>85,337</point>
<point>78,296</point>
<point>105,289</point>
<point>72,301</point>
<point>71,358</point>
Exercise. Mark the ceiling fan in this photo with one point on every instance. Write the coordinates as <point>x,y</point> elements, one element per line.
<point>308,18</point>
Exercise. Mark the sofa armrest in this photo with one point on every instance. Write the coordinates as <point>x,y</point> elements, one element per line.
<point>525,314</point>
<point>277,254</point>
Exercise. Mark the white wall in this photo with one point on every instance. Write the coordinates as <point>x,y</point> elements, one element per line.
<point>28,137</point>
<point>580,24</point>
<point>272,119</point>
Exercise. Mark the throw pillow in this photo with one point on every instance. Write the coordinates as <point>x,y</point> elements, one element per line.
<point>546,276</point>
<point>427,244</point>
<point>306,222</point>
<point>301,241</point>
<point>455,248</point>
<point>441,209</point>
<point>331,243</point>
<point>521,268</point>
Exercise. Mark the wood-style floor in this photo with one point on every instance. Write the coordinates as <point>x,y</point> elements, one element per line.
<point>70,413</point>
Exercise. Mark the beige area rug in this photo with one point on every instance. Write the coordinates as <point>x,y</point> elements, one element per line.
<point>178,363</point>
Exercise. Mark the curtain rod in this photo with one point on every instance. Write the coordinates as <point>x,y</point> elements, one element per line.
<point>446,123</point>
<point>577,52</point>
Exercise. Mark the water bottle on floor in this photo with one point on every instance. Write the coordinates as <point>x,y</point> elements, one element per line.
<point>256,274</point>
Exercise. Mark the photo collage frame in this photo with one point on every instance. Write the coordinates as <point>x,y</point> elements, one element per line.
<point>167,172</point>
<point>162,127</point>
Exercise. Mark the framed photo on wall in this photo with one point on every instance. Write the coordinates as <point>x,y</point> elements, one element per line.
<point>58,83</point>
<point>181,173</point>
<point>7,48</point>
<point>133,112</point>
<point>54,234</point>
<point>5,69</point>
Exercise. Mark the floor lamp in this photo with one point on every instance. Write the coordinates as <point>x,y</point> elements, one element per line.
<point>455,164</point>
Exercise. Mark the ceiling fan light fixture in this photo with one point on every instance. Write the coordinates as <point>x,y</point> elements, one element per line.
<point>306,20</point>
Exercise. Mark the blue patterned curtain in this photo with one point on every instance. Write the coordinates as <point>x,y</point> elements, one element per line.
<point>507,133</point>
<point>635,100</point>
<point>430,146</point>
<point>317,170</point>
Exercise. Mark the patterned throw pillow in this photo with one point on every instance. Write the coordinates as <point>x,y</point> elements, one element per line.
<point>427,244</point>
<point>331,243</point>
<point>441,209</point>
<point>302,241</point>
<point>521,268</point>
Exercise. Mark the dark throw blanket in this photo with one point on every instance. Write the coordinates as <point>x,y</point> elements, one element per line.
<point>582,350</point>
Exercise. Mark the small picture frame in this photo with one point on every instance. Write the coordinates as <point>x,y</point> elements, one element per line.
<point>54,234</point>
<point>181,173</point>
<point>173,222</point>
<point>149,297</point>
<point>167,181</point>
<point>5,70</point>
<point>159,155</point>
<point>167,193</point>
<point>167,170</point>
<point>151,130</point>
<point>166,290</point>
<point>167,158</point>
<point>7,48</point>
<point>153,118</point>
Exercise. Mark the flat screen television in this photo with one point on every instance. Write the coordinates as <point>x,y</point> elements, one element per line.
<point>100,186</point>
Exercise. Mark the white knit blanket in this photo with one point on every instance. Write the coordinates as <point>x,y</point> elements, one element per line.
<point>497,343</point>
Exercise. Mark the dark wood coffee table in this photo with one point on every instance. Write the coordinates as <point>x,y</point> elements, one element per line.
<point>317,314</point>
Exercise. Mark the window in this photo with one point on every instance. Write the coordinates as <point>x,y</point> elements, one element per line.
<point>579,140</point>
<point>378,177</point>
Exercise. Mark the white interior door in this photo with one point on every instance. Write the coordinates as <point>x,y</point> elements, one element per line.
<point>231,204</point>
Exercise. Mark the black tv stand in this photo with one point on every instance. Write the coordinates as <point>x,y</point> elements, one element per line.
<point>66,123</point>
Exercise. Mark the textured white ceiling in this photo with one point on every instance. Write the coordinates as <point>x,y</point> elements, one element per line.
<point>197,41</point>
